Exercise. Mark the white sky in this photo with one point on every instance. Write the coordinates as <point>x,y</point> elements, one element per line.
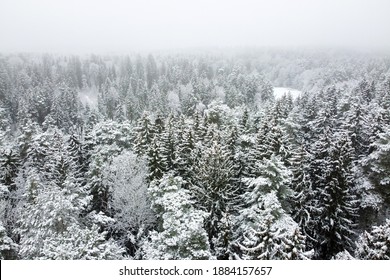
<point>134,25</point>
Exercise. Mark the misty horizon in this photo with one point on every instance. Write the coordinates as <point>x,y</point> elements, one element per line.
<point>144,26</point>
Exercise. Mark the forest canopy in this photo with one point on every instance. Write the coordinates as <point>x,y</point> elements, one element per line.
<point>192,156</point>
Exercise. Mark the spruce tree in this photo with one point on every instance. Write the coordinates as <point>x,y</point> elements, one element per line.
<point>334,198</point>
<point>264,230</point>
<point>374,245</point>
<point>215,187</point>
<point>144,135</point>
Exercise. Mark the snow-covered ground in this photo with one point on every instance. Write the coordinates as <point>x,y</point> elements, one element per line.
<point>279,91</point>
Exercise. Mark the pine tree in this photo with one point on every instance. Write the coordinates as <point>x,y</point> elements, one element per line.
<point>167,145</point>
<point>265,232</point>
<point>5,124</point>
<point>272,176</point>
<point>28,131</point>
<point>271,139</point>
<point>244,125</point>
<point>95,183</point>
<point>37,150</point>
<point>52,210</point>
<point>184,159</point>
<point>113,133</point>
<point>199,129</point>
<point>8,247</point>
<point>9,166</point>
<point>378,164</point>
<point>266,92</point>
<point>151,71</point>
<point>155,162</point>
<point>301,201</point>
<point>76,151</point>
<point>215,187</point>
<point>234,153</point>
<point>109,139</point>
<point>180,234</point>
<point>81,244</point>
<point>357,127</point>
<point>144,135</point>
<point>366,90</point>
<point>233,97</point>
<point>374,245</point>
<point>334,198</point>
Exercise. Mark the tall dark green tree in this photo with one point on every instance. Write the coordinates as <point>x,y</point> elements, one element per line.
<point>144,135</point>
<point>333,222</point>
<point>216,190</point>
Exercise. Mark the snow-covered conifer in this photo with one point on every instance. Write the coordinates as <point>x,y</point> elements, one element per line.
<point>180,233</point>
<point>374,245</point>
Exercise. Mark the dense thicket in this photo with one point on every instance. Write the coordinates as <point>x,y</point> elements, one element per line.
<point>191,156</point>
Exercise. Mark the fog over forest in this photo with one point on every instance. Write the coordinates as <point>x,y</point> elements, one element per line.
<point>101,26</point>
<point>151,130</point>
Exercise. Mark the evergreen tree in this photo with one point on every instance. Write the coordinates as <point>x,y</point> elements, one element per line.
<point>264,229</point>
<point>378,164</point>
<point>244,125</point>
<point>374,245</point>
<point>266,232</point>
<point>9,166</point>
<point>215,187</point>
<point>167,145</point>
<point>357,127</point>
<point>5,124</point>
<point>144,134</point>
<point>151,71</point>
<point>50,226</point>
<point>8,247</point>
<point>273,176</point>
<point>334,198</point>
<point>181,235</point>
<point>155,162</point>
<point>184,159</point>
<point>302,199</point>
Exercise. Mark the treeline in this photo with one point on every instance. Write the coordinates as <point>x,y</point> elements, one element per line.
<point>192,157</point>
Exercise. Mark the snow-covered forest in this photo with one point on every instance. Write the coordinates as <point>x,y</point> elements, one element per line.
<point>191,156</point>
